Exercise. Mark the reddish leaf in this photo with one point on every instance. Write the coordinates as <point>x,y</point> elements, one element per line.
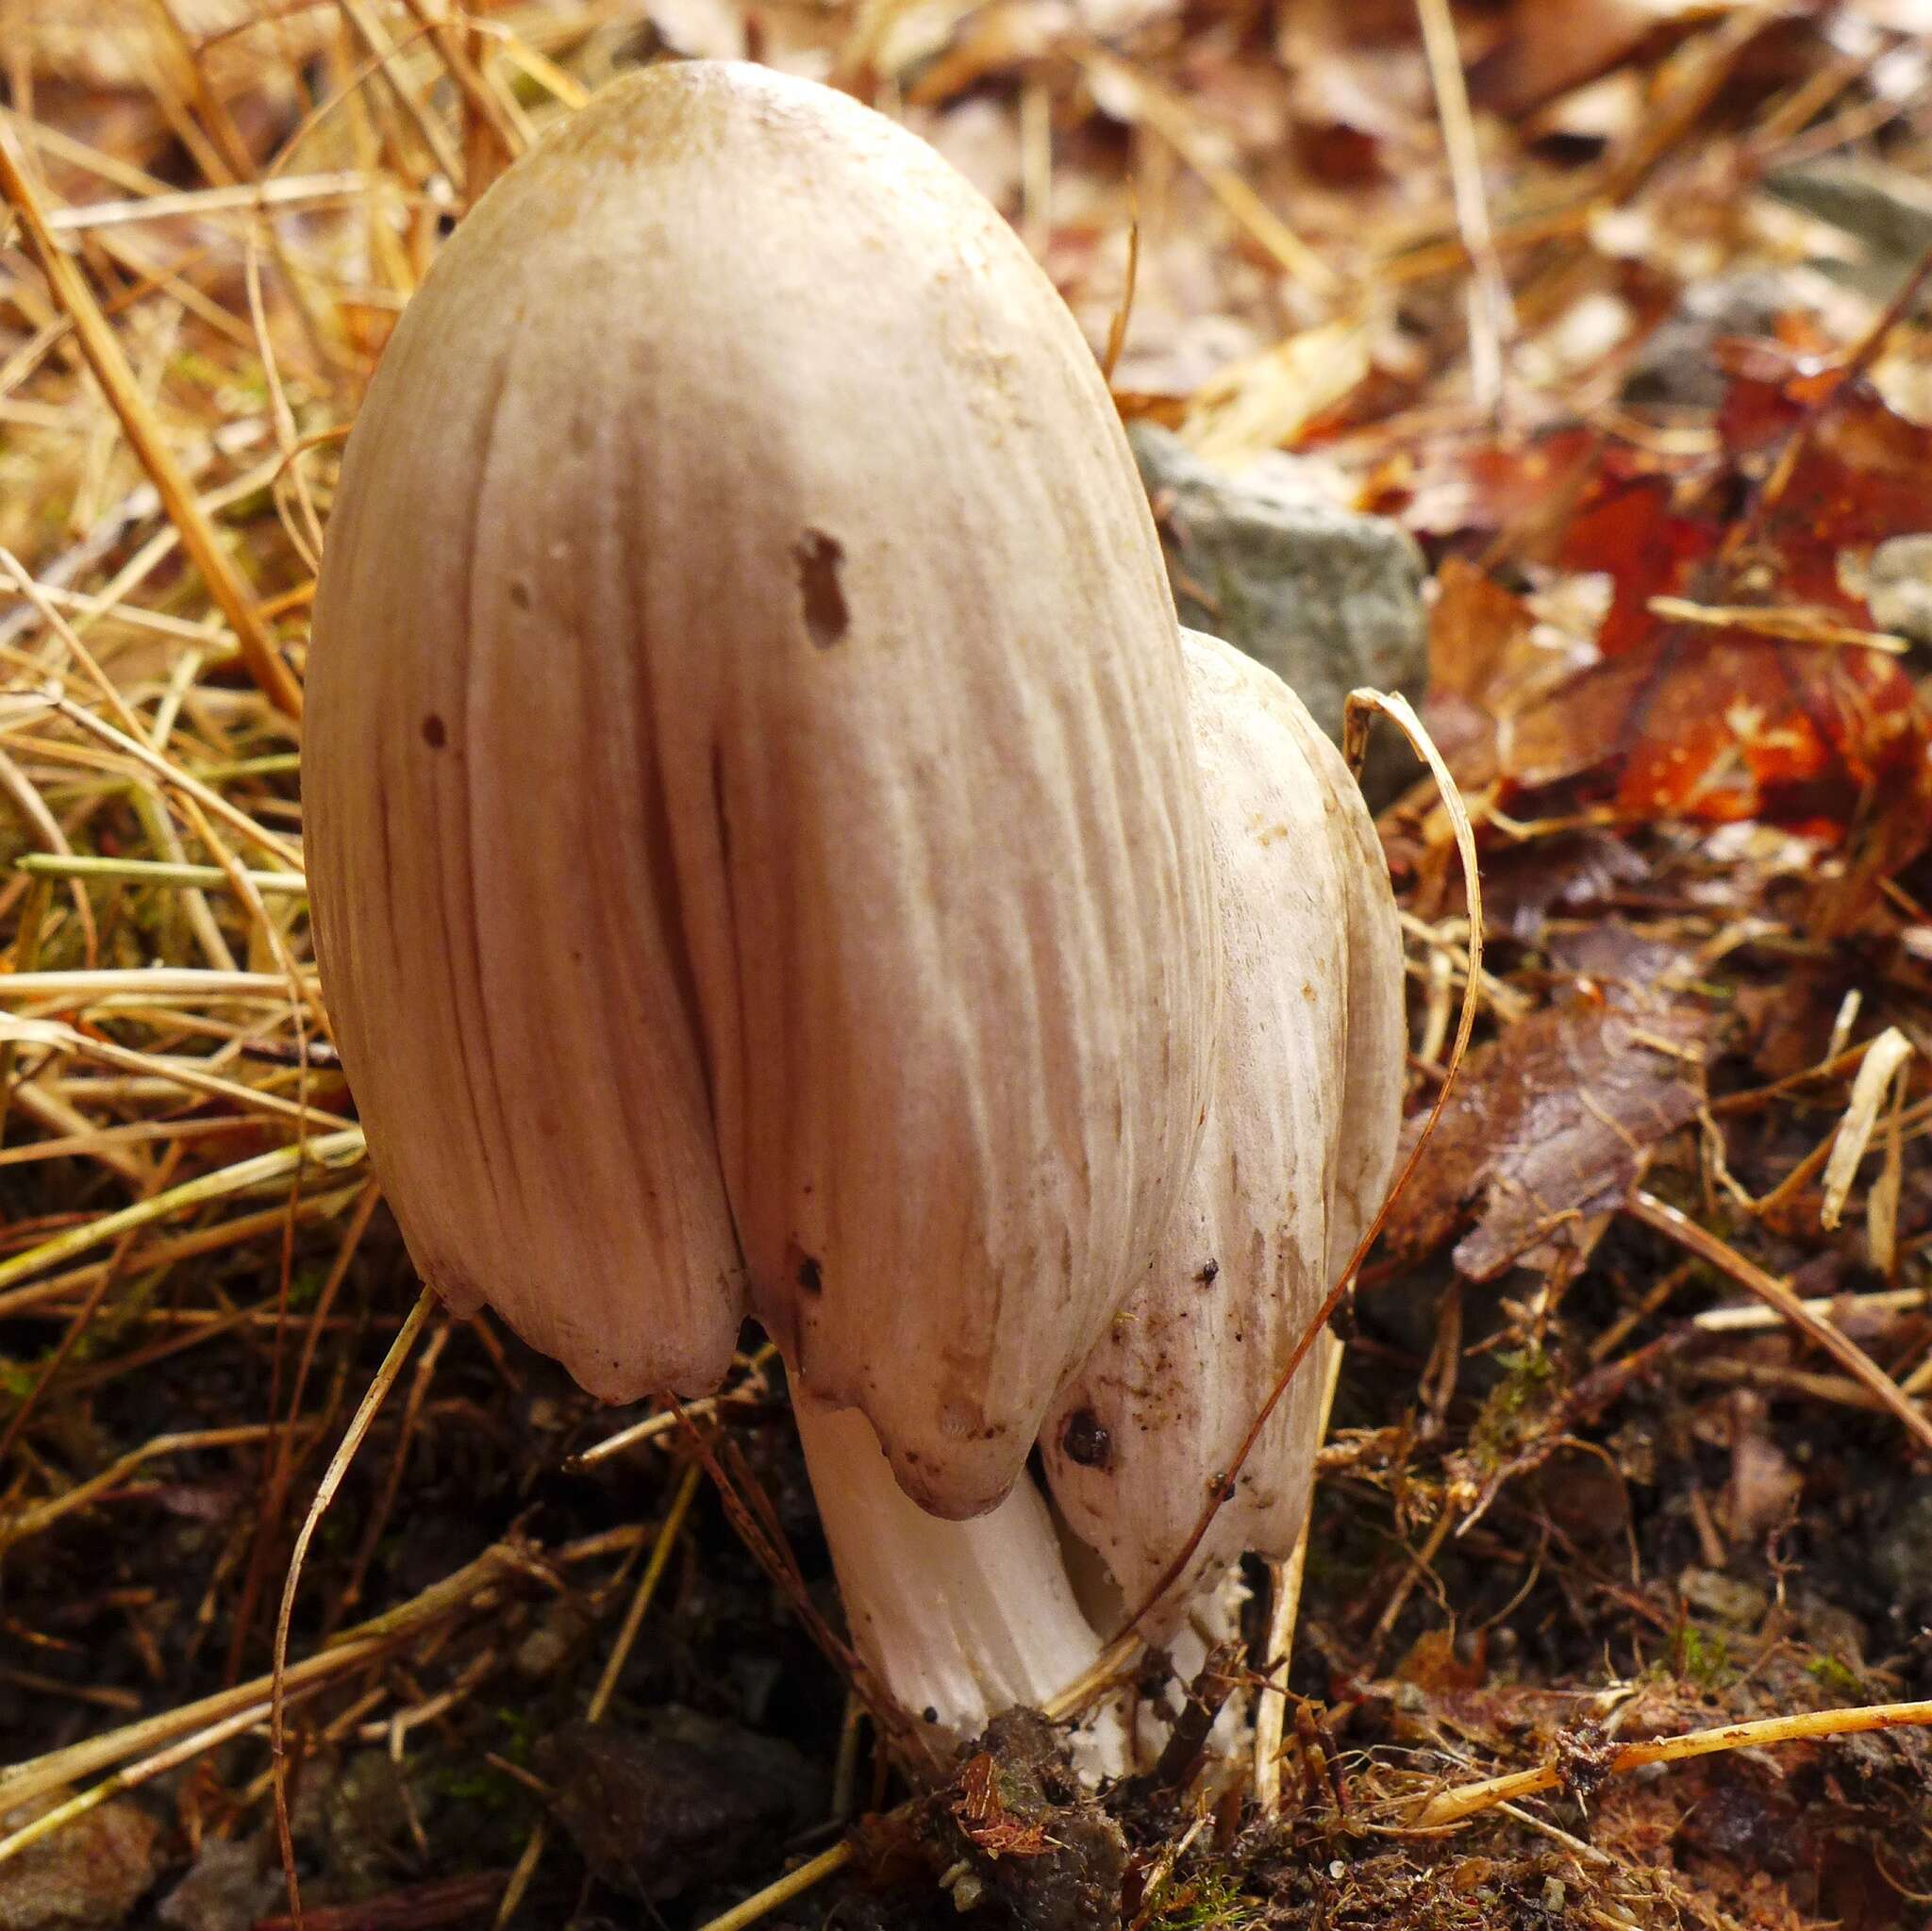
<point>1630,530</point>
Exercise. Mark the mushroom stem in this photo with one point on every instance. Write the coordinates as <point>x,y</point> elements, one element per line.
<point>957,1620</point>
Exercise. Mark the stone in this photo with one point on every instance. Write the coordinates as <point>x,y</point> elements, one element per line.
<point>1327,598</point>
<point>1898,587</point>
<point>231,1884</point>
<point>1885,208</point>
<point>1676,365</point>
<point>87,1877</point>
<point>1902,1552</point>
<point>688,1800</point>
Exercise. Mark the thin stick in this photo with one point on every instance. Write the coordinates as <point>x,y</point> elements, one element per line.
<point>749,1393</point>
<point>1680,1227</point>
<point>104,357</point>
<point>1491,317</point>
<point>367,1642</point>
<point>1117,328</point>
<point>1890,1052</point>
<point>1748,1317</point>
<point>134,1774</point>
<point>165,1252</point>
<point>1284,1609</point>
<point>781,1891</point>
<point>57,1037</point>
<point>31,1522</point>
<point>1452,1806</point>
<point>172,774</point>
<point>173,982</point>
<point>331,1150</point>
<point>26,949</point>
<point>331,1480</point>
<point>292,190</point>
<point>647,1588</point>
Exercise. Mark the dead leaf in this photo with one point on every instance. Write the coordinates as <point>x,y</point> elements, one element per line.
<point>1553,1123</point>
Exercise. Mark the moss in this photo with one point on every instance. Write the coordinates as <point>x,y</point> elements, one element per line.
<point>1514,1405</point>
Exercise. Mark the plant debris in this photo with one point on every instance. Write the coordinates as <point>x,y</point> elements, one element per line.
<point>1628,1436</point>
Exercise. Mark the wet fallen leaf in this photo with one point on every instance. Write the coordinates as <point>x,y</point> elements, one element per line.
<point>1554,1122</point>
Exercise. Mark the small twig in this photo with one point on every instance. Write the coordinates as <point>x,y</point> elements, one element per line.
<point>331,1150</point>
<point>1117,328</point>
<point>57,1037</point>
<point>292,190</point>
<point>747,1393</point>
<point>1271,1700</point>
<point>1792,626</point>
<point>1466,1800</point>
<point>1492,316</point>
<point>781,1891</point>
<point>1749,1317</point>
<point>1680,1227</point>
<point>61,1815</point>
<point>152,872</point>
<point>32,1522</point>
<point>168,982</point>
<point>331,1480</point>
<point>1891,1051</point>
<point>367,1642</point>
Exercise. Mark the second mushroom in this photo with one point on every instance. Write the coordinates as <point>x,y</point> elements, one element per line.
<point>773,856</point>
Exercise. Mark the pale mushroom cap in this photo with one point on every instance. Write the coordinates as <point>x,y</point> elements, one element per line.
<point>1299,1145</point>
<point>751,799</point>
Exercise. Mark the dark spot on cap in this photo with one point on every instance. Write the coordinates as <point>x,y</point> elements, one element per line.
<point>930,1714</point>
<point>435,732</point>
<point>1087,1440</point>
<point>519,592</point>
<point>826,619</point>
<point>1210,1273</point>
<point>810,1276</point>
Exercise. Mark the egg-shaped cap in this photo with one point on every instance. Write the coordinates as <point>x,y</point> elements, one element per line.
<point>753,815</point>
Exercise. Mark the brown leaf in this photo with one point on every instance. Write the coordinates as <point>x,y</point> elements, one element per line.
<point>1552,1124</point>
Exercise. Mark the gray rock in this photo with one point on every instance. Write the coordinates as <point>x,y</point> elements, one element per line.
<point>1676,367</point>
<point>1327,598</point>
<point>1889,211</point>
<point>364,1818</point>
<point>1902,1555</point>
<point>85,1877</point>
<point>688,1800</point>
<point>231,1884</point>
<point>1898,587</point>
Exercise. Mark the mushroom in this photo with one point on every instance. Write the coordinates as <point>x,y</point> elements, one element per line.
<point>760,859</point>
<point>1299,1145</point>
<point>757,854</point>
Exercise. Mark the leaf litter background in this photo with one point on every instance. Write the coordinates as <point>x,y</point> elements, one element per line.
<point>1650,394</point>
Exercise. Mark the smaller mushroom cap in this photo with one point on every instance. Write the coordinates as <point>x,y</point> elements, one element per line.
<point>1299,1145</point>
